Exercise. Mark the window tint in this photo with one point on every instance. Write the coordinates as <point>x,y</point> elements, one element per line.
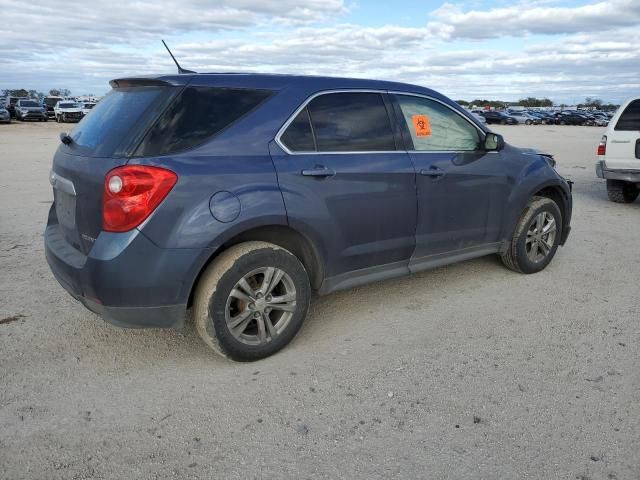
<point>298,137</point>
<point>434,126</point>
<point>351,122</point>
<point>197,114</point>
<point>114,120</point>
<point>630,118</point>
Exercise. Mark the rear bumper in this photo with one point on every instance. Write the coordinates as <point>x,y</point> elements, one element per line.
<point>126,279</point>
<point>602,171</point>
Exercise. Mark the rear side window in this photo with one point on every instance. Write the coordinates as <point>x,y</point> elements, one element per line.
<point>197,114</point>
<point>435,127</point>
<point>354,122</point>
<point>630,118</point>
<point>299,135</point>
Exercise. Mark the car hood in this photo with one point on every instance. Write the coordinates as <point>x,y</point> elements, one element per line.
<point>535,151</point>
<point>31,109</point>
<point>70,110</point>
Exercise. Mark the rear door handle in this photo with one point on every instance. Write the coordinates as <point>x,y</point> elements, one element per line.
<point>432,172</point>
<point>318,172</point>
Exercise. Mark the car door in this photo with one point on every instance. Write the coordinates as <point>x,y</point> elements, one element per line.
<point>347,185</point>
<point>623,148</point>
<point>462,189</point>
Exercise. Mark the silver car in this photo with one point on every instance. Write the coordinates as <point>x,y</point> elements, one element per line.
<point>4,115</point>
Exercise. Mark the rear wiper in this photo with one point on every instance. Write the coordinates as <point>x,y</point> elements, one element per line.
<point>65,138</point>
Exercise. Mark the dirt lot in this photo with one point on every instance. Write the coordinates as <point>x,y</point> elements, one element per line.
<point>468,371</point>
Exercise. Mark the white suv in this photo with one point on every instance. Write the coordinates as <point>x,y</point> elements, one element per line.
<point>619,153</point>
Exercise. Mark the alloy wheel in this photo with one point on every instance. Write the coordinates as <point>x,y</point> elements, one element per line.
<point>260,306</point>
<point>541,237</point>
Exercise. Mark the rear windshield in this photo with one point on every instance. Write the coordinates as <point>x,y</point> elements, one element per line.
<point>196,115</point>
<point>117,120</point>
<point>630,118</point>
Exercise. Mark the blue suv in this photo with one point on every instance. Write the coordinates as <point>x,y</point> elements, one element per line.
<point>234,197</point>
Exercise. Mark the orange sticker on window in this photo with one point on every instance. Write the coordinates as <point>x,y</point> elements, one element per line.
<point>421,125</point>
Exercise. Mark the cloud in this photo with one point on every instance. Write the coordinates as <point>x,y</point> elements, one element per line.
<point>312,38</point>
<point>527,18</point>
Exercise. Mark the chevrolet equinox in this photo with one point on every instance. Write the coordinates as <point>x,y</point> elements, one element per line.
<point>235,196</point>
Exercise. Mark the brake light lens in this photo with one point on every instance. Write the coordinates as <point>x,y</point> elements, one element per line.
<point>131,193</point>
<point>602,146</point>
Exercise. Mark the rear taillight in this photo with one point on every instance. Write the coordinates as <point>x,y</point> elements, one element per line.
<point>131,193</point>
<point>602,146</point>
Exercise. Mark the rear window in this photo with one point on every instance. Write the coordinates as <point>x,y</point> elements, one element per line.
<point>630,118</point>
<point>196,115</point>
<point>115,122</point>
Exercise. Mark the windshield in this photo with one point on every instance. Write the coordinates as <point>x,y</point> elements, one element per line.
<point>89,105</point>
<point>116,121</point>
<point>27,103</point>
<point>69,105</point>
<point>51,101</point>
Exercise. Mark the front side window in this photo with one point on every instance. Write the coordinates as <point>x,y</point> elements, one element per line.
<point>196,115</point>
<point>630,118</point>
<point>435,127</point>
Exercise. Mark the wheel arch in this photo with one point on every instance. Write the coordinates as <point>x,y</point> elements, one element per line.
<point>282,235</point>
<point>555,190</point>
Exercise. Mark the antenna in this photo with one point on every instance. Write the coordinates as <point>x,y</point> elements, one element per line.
<point>180,69</point>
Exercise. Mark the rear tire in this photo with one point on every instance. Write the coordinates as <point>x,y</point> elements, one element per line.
<point>251,301</point>
<point>622,192</point>
<point>536,237</point>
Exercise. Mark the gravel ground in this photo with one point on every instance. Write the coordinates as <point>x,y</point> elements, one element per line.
<point>467,371</point>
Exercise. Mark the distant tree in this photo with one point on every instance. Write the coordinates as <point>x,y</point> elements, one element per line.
<point>489,103</point>
<point>36,94</point>
<point>463,103</point>
<point>534,102</point>
<point>60,92</point>
<point>16,93</point>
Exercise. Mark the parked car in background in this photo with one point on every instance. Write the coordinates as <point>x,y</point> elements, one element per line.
<point>492,116</point>
<point>237,196</point>
<point>86,107</point>
<point>49,103</point>
<point>545,118</point>
<point>67,111</point>
<point>5,116</point>
<point>10,104</point>
<point>524,117</point>
<point>569,118</point>
<point>478,117</point>
<point>619,153</point>
<point>30,110</point>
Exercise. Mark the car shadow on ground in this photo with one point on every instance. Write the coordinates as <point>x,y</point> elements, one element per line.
<point>325,320</point>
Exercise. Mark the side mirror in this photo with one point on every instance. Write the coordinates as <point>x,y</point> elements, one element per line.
<point>493,142</point>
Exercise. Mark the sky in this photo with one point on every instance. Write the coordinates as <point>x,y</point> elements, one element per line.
<point>565,50</point>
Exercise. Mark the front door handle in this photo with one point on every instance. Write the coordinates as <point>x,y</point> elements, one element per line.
<point>432,172</point>
<point>318,172</point>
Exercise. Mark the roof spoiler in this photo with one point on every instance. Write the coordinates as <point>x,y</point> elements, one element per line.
<point>137,82</point>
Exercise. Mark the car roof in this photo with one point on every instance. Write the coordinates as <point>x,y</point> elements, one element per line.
<point>274,81</point>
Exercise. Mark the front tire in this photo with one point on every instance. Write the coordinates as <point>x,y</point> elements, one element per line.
<point>536,237</point>
<point>619,191</point>
<point>251,301</point>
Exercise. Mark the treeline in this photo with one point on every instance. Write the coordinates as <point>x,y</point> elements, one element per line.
<point>530,102</point>
<point>21,92</point>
